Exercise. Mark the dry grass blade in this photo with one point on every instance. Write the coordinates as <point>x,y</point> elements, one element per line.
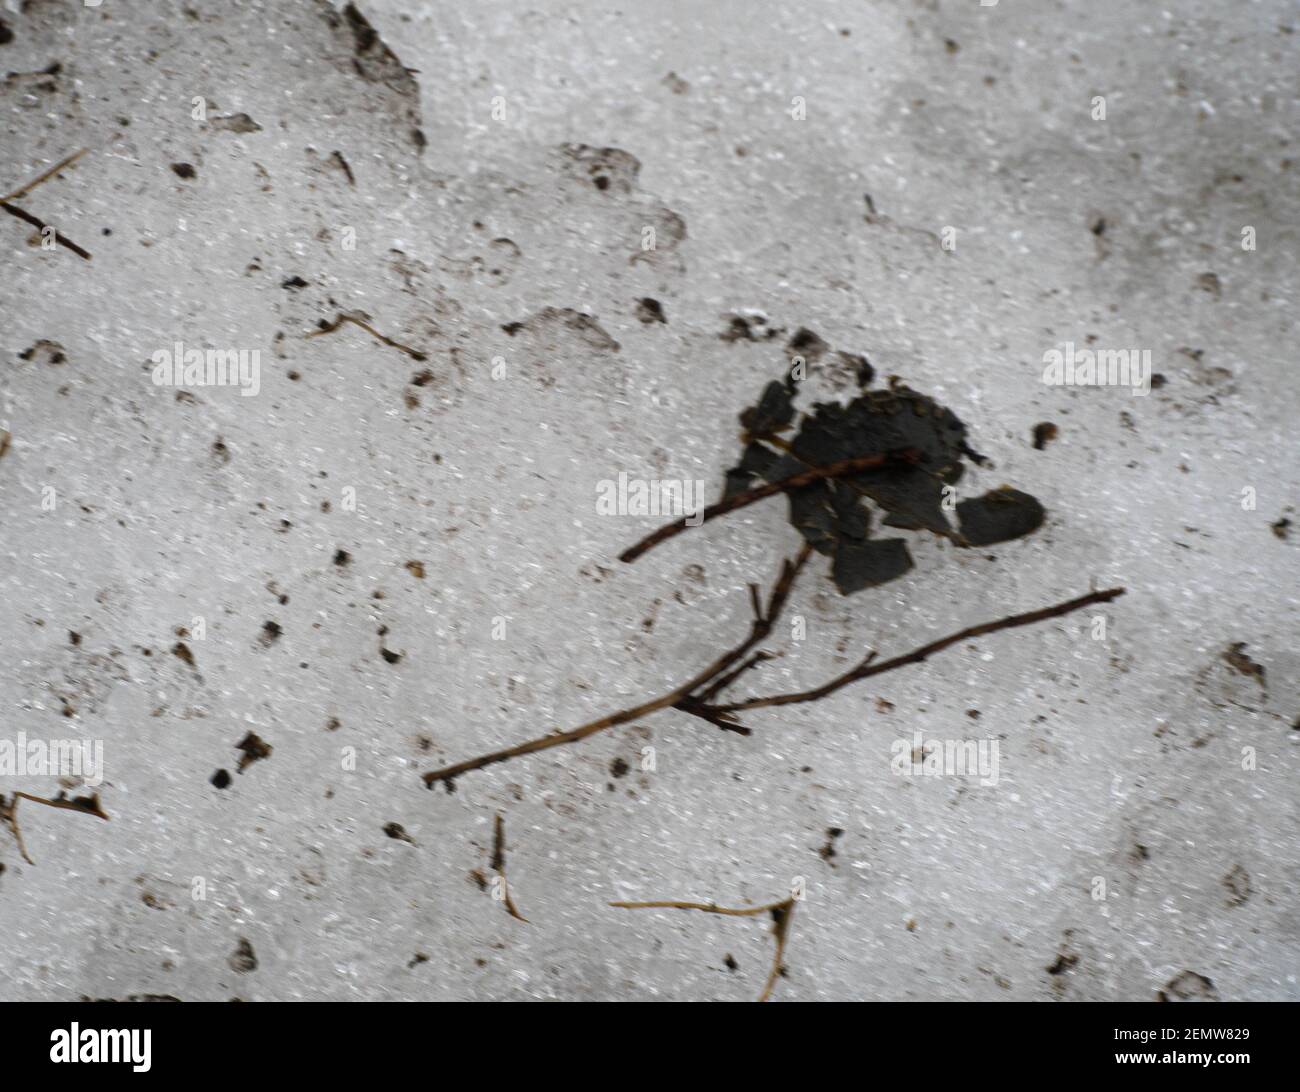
<point>88,805</point>
<point>499,866</point>
<point>782,916</point>
<point>341,318</point>
<point>22,191</point>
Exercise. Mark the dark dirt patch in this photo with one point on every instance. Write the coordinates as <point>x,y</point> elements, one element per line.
<point>243,960</point>
<point>1235,657</point>
<point>235,123</point>
<point>1188,986</point>
<point>47,352</point>
<point>650,310</point>
<point>254,749</point>
<point>827,852</point>
<point>1237,883</point>
<point>1044,433</point>
<point>999,515</point>
<point>552,320</point>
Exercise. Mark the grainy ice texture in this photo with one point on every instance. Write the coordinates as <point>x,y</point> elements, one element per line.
<point>277,611</point>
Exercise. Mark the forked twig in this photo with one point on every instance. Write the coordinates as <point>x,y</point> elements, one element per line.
<point>868,667</point>
<point>696,695</point>
<point>842,469</point>
<point>341,318</point>
<point>88,805</point>
<point>782,915</point>
<point>683,697</point>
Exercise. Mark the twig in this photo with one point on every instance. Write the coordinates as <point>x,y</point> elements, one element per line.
<point>341,318</point>
<point>22,191</point>
<point>955,537</point>
<point>683,696</point>
<point>843,468</point>
<point>782,915</point>
<point>41,225</point>
<point>868,668</point>
<point>35,221</point>
<point>719,685</point>
<point>89,805</point>
<point>695,695</point>
<point>499,865</point>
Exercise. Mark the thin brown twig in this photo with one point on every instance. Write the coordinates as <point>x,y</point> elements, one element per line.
<point>88,805</point>
<point>341,318</point>
<point>36,221</point>
<point>841,469</point>
<point>723,681</point>
<point>868,668</point>
<point>44,176</point>
<point>683,696</point>
<point>782,915</point>
<point>955,537</point>
<point>499,866</point>
<point>694,696</point>
<point>41,225</point>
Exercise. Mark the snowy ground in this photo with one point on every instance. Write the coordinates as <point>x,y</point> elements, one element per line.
<point>450,169</point>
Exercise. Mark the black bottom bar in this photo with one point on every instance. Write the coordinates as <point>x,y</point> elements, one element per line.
<point>335,1041</point>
